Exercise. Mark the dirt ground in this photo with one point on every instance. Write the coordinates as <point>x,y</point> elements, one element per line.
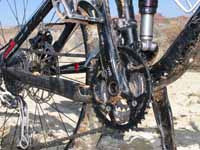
<point>184,96</point>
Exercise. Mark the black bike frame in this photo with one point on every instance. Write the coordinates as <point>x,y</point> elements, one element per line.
<point>108,51</point>
<point>27,29</point>
<point>177,58</point>
<point>66,88</point>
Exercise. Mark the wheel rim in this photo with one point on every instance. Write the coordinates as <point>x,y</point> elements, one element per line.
<point>50,120</point>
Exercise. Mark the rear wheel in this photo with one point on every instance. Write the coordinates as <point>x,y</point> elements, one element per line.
<point>52,119</point>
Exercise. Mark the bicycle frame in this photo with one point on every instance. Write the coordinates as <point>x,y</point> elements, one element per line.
<point>67,88</point>
<point>179,55</point>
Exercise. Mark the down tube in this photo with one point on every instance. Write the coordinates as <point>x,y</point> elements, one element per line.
<point>180,55</point>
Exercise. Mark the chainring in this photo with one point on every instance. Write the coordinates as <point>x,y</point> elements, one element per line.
<point>122,111</point>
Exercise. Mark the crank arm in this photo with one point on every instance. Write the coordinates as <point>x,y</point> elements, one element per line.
<point>67,88</point>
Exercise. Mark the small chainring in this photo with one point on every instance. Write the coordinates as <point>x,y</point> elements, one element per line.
<point>123,111</point>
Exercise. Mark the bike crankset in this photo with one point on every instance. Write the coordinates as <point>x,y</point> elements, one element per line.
<point>120,110</point>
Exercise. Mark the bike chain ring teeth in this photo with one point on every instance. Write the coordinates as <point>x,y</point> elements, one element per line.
<point>123,112</point>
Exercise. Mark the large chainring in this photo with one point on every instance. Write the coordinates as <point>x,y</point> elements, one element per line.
<point>123,111</point>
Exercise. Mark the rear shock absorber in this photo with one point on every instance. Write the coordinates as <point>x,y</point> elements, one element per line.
<point>126,23</point>
<point>147,10</point>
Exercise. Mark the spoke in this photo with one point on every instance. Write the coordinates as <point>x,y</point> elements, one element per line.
<point>25,5</point>
<point>54,14</point>
<point>61,118</point>
<point>13,12</point>
<point>20,17</point>
<point>41,124</point>
<point>57,20</point>
<point>50,24</point>
<point>7,119</point>
<point>15,132</point>
<point>74,30</point>
<point>43,114</point>
<point>4,127</point>
<point>3,34</point>
<point>62,141</point>
<point>35,92</point>
<point>81,117</point>
<point>72,49</point>
<point>34,121</point>
<point>16,11</point>
<point>61,112</point>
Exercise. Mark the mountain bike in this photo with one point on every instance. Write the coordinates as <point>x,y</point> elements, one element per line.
<point>71,54</point>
